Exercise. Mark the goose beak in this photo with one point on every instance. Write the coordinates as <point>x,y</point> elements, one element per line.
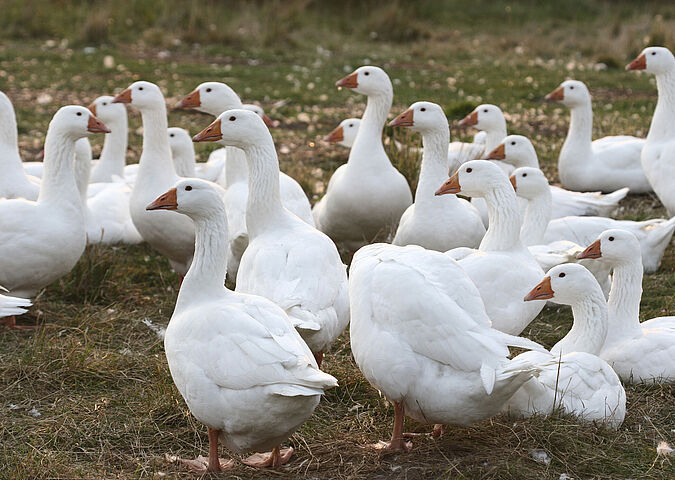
<point>640,63</point>
<point>592,251</point>
<point>336,136</point>
<point>124,97</point>
<point>450,186</point>
<point>556,95</point>
<point>543,291</point>
<point>268,121</point>
<point>166,201</point>
<point>350,81</point>
<point>498,153</point>
<point>96,126</point>
<point>191,100</point>
<point>403,120</point>
<point>92,108</point>
<point>470,120</point>
<point>212,133</point>
<point>512,178</point>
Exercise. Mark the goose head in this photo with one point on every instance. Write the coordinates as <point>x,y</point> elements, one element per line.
<point>192,197</point>
<point>515,150</point>
<point>656,60</point>
<point>529,182</point>
<point>484,117</point>
<point>179,140</point>
<point>565,284</point>
<point>423,117</point>
<point>475,179</point>
<point>237,128</point>
<point>104,109</point>
<point>614,247</point>
<point>571,93</point>
<point>258,110</point>
<point>367,80</point>
<point>76,122</point>
<point>212,98</point>
<point>142,95</point>
<point>345,133</point>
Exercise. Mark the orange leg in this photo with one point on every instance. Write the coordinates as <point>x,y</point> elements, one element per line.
<point>202,464</point>
<point>273,459</point>
<point>10,322</point>
<point>397,443</point>
<point>319,358</point>
<point>214,461</point>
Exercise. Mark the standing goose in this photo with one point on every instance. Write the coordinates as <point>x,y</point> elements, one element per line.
<point>518,151</point>
<point>366,196</point>
<point>235,358</point>
<point>288,261</point>
<point>606,164</point>
<point>14,183</point>
<point>638,352</point>
<point>435,223</point>
<point>502,268</point>
<point>658,153</point>
<point>41,241</point>
<point>573,377</point>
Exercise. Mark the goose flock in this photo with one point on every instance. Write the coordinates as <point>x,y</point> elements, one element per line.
<point>433,306</point>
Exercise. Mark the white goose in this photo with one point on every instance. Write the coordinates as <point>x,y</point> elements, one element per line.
<point>345,133</point>
<point>366,196</point>
<point>518,151</point>
<point>420,335</point>
<point>436,223</point>
<point>573,377</point>
<point>183,155</point>
<point>41,241</point>
<point>10,307</point>
<point>288,261</point>
<point>638,352</point>
<point>658,153</point>
<point>606,164</point>
<point>171,235</point>
<point>14,183</point>
<point>502,268</point>
<point>235,358</point>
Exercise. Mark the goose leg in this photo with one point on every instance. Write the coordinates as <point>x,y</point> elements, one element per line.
<point>319,358</point>
<point>273,459</point>
<point>202,464</point>
<point>397,443</point>
<point>10,322</point>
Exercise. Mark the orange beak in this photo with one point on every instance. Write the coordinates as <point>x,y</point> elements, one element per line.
<point>403,120</point>
<point>543,291</point>
<point>498,153</point>
<point>450,186</point>
<point>336,135</point>
<point>92,108</point>
<point>268,121</point>
<point>124,97</point>
<point>640,63</point>
<point>556,95</point>
<point>592,251</point>
<point>166,201</point>
<point>350,81</point>
<point>191,100</point>
<point>513,182</point>
<point>96,126</point>
<point>211,133</point>
<point>469,120</point>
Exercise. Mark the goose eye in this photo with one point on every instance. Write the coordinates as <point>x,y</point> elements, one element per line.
<point>105,103</point>
<point>524,174</point>
<point>468,170</point>
<point>79,114</point>
<point>513,143</point>
<point>232,118</point>
<point>366,73</point>
<point>351,124</point>
<point>572,87</point>
<point>188,188</point>
<point>171,135</point>
<point>140,88</point>
<point>562,275</point>
<point>611,239</point>
<point>208,89</point>
<point>485,110</point>
<point>423,109</point>
<point>653,53</point>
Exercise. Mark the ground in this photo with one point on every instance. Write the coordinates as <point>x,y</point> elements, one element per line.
<point>89,395</point>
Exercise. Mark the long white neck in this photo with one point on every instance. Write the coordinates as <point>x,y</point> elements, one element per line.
<point>235,166</point>
<point>10,161</point>
<point>663,122</point>
<point>113,155</point>
<point>206,276</point>
<point>368,150</point>
<point>434,169</point>
<point>624,299</point>
<point>155,162</point>
<point>537,218</point>
<point>503,231</point>
<point>590,325</point>
<point>82,167</point>
<point>58,178</point>
<point>264,208</point>
<point>577,146</point>
<point>494,136</point>
<point>184,161</point>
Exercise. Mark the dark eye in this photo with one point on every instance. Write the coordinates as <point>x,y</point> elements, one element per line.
<point>366,73</point>
<point>105,103</point>
<point>513,143</point>
<point>572,87</point>
<point>351,124</point>
<point>468,170</point>
<point>524,174</point>
<point>233,118</point>
<point>562,275</point>
<point>423,109</point>
<point>140,88</point>
<point>208,89</point>
<point>485,110</point>
<point>611,239</point>
<point>188,188</point>
<point>653,53</point>
<point>171,135</point>
<point>79,114</point>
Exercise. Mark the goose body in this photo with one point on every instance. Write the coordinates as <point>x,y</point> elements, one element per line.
<point>366,197</point>
<point>607,164</point>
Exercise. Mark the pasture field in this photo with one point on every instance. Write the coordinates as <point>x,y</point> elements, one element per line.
<point>89,395</point>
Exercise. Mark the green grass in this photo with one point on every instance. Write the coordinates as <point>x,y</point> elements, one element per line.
<point>97,373</point>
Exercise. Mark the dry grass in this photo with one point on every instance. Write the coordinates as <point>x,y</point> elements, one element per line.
<point>96,372</point>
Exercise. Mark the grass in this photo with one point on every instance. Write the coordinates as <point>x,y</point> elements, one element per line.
<point>96,372</point>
